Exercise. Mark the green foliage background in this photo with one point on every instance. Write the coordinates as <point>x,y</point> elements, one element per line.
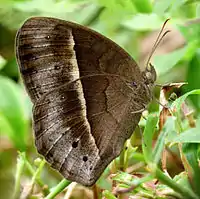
<point>129,23</point>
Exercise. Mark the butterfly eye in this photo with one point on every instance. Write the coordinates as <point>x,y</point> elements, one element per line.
<point>134,84</point>
<point>148,75</point>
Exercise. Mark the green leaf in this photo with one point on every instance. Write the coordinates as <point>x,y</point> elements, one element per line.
<point>148,137</point>
<point>191,152</point>
<point>190,32</point>
<point>144,22</point>
<point>185,191</point>
<point>182,179</point>
<point>107,194</point>
<point>190,136</point>
<point>117,5</point>
<point>138,157</point>
<point>167,6</point>
<point>128,179</point>
<point>162,6</point>
<point>10,69</point>
<point>160,143</point>
<point>12,107</point>
<point>129,152</point>
<point>163,63</point>
<point>178,102</point>
<point>2,62</point>
<point>143,6</point>
<point>193,78</point>
<point>41,6</point>
<point>5,127</point>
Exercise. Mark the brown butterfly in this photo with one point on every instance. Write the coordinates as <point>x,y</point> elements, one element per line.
<point>88,95</point>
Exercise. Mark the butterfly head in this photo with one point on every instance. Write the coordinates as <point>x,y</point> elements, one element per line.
<point>149,77</point>
<point>150,74</point>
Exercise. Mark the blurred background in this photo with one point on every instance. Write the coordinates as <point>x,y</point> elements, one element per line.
<point>133,24</point>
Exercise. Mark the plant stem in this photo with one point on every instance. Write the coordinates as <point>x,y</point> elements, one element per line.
<point>95,191</point>
<point>44,187</point>
<point>19,170</point>
<point>56,190</point>
<point>36,175</point>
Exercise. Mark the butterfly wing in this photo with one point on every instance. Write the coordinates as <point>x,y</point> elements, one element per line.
<point>51,52</point>
<point>77,80</point>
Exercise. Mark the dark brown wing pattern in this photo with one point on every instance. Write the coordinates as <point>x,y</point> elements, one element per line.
<point>78,81</point>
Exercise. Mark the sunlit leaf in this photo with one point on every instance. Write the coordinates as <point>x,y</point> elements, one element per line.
<point>143,6</point>
<point>2,62</point>
<point>11,106</point>
<point>148,137</point>
<point>163,63</point>
<point>192,135</point>
<point>193,78</point>
<point>107,194</point>
<point>160,143</point>
<point>144,22</point>
<point>177,103</point>
<point>191,152</point>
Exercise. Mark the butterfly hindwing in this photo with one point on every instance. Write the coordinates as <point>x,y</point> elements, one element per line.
<point>80,134</point>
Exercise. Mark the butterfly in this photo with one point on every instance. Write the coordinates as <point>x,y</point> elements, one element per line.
<point>87,92</point>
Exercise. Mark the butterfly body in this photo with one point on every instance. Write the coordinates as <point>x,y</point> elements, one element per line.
<point>86,92</point>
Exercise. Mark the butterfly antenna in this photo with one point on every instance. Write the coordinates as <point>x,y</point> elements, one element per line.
<point>157,42</point>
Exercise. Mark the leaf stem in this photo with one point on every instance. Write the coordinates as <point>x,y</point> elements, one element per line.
<point>56,190</point>
<point>19,170</point>
<point>30,168</point>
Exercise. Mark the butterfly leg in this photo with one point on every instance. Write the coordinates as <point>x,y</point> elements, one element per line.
<point>139,111</point>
